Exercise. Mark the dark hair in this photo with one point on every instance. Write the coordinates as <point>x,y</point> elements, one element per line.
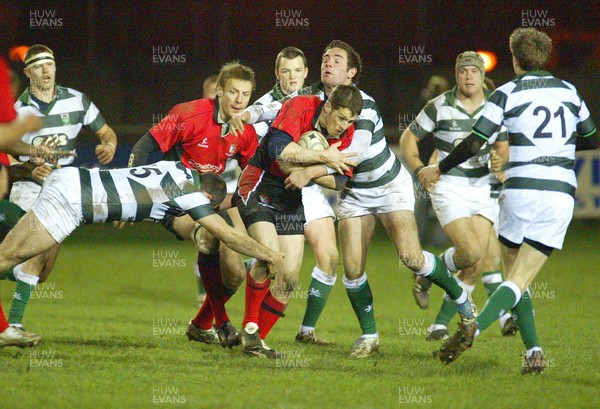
<point>354,60</point>
<point>237,71</point>
<point>531,48</point>
<point>346,96</point>
<point>290,53</point>
<point>214,185</point>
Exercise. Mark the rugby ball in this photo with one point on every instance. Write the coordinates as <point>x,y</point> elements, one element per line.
<point>313,140</point>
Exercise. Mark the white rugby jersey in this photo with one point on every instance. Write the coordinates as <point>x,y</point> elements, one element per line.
<point>67,114</point>
<point>376,163</point>
<point>141,193</point>
<point>446,118</point>
<point>542,115</point>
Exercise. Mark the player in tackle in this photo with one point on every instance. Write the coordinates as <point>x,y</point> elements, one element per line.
<point>71,196</point>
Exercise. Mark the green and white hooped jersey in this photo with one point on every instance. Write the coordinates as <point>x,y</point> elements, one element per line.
<point>67,114</point>
<point>141,193</point>
<point>446,118</point>
<point>542,115</point>
<point>376,163</point>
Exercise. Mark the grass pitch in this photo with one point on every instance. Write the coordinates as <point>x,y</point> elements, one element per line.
<point>114,312</point>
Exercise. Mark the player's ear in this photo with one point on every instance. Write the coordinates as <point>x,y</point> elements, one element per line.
<point>26,72</point>
<point>305,72</point>
<point>219,91</point>
<point>327,107</point>
<point>276,74</point>
<point>352,72</point>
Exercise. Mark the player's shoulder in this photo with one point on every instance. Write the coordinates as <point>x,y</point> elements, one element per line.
<point>265,99</point>
<point>191,109</point>
<point>66,92</point>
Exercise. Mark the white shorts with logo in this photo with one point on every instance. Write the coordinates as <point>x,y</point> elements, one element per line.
<point>59,205</point>
<point>537,215</point>
<point>24,194</point>
<point>396,195</point>
<point>451,202</point>
<point>316,205</point>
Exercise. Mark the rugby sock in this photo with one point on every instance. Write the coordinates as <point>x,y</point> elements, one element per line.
<point>436,272</point>
<point>525,318</point>
<point>271,309</point>
<point>361,298</point>
<point>255,294</point>
<point>8,275</point>
<point>448,259</point>
<point>3,322</point>
<point>449,308</point>
<point>506,296</point>
<point>446,312</point>
<point>25,285</point>
<point>201,289</point>
<point>491,280</point>
<point>205,316</point>
<point>319,289</point>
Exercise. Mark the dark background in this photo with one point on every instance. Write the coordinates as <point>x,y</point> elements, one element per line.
<point>106,48</point>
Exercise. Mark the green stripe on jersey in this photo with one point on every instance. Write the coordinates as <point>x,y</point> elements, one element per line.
<point>113,201</point>
<point>545,161</point>
<point>143,200</point>
<point>469,173</point>
<point>485,128</point>
<point>87,205</point>
<point>377,136</point>
<point>454,125</point>
<point>201,211</point>
<point>499,98</point>
<point>586,128</point>
<point>517,111</point>
<point>518,139</point>
<point>56,120</point>
<point>373,163</point>
<point>539,184</point>
<point>386,178</point>
<point>168,185</point>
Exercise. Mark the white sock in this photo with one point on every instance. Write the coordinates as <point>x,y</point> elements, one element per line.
<point>449,259</point>
<point>305,330</point>
<point>532,350</point>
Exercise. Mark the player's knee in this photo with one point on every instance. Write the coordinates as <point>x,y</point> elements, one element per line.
<point>469,256</point>
<point>327,259</point>
<point>205,243</point>
<point>233,278</point>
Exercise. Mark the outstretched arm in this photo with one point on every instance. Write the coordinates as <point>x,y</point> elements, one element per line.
<point>241,242</point>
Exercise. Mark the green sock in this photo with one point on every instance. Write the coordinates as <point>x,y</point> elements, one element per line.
<point>361,299</point>
<point>490,287</point>
<point>8,275</point>
<point>525,318</point>
<point>447,311</point>
<point>441,277</point>
<point>318,292</point>
<point>19,302</point>
<point>501,301</point>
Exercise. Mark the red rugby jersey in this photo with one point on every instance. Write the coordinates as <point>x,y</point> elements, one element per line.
<point>7,110</point>
<point>195,125</point>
